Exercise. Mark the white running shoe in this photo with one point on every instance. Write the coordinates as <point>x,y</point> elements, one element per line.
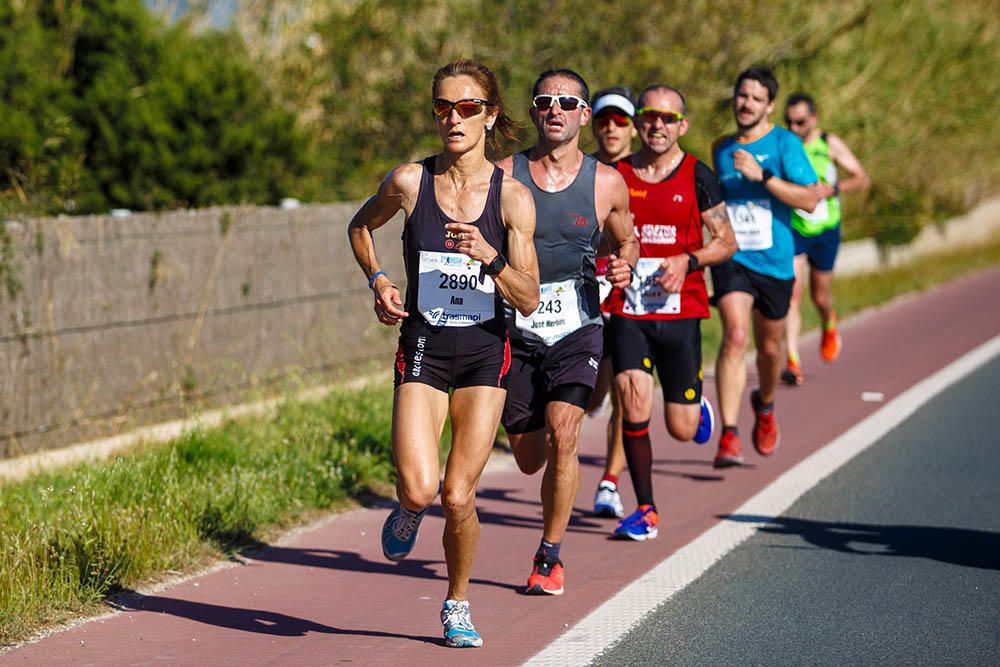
<point>607,502</point>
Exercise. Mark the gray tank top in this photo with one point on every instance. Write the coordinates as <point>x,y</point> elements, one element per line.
<point>567,236</point>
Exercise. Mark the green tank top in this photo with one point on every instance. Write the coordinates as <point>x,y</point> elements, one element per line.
<point>827,213</point>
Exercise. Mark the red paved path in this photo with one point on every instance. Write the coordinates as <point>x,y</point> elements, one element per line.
<point>327,596</point>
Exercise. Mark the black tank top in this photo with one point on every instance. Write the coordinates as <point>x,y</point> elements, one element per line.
<point>424,230</point>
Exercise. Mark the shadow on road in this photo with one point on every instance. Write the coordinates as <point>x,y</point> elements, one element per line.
<point>687,475</point>
<point>579,521</point>
<point>958,546</point>
<point>351,561</point>
<point>598,462</point>
<point>247,620</point>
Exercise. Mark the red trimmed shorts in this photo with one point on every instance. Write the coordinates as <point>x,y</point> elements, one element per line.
<point>453,357</point>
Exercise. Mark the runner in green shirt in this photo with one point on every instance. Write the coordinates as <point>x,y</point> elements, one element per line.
<point>817,234</point>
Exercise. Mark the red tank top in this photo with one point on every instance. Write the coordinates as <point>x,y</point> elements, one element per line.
<point>667,222</point>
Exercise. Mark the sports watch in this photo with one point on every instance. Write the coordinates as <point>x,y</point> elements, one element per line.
<point>692,262</point>
<point>765,175</point>
<point>496,266</point>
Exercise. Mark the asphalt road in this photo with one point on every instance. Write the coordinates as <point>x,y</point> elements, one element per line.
<point>892,560</point>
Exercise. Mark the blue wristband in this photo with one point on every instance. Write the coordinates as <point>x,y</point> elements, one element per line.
<point>371,281</point>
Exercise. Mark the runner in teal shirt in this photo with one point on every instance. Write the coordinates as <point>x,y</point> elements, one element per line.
<point>762,222</point>
<point>765,173</point>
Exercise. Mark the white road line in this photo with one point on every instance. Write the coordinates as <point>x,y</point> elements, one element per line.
<point>616,617</point>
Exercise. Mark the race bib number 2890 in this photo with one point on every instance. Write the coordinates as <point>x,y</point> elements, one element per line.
<point>453,290</point>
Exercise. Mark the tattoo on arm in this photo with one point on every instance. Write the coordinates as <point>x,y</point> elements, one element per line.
<point>716,219</point>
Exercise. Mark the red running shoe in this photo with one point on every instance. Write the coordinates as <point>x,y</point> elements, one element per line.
<point>829,346</point>
<point>765,427</point>
<point>729,451</point>
<point>546,578</point>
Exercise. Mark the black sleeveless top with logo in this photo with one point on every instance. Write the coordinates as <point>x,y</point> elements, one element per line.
<point>444,288</point>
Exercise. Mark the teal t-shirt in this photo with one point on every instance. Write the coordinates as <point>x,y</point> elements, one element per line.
<point>762,222</point>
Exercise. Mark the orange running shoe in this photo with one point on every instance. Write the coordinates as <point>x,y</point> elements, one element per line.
<point>546,578</point>
<point>729,451</point>
<point>766,436</point>
<point>829,346</point>
<point>792,374</point>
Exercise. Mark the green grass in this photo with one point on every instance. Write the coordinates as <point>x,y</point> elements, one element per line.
<point>70,538</point>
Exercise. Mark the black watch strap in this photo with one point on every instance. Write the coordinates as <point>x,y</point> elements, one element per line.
<point>766,174</point>
<point>496,266</point>
<point>692,262</point>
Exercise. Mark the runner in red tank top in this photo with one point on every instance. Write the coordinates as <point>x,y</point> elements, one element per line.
<point>656,322</point>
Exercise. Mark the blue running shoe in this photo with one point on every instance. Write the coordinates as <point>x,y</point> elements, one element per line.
<point>399,532</point>
<point>707,423</point>
<point>640,525</point>
<point>457,621</point>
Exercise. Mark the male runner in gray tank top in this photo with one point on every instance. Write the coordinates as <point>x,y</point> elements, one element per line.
<point>555,352</point>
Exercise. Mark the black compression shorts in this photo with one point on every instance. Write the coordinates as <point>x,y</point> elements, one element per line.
<point>445,357</point>
<point>672,347</point>
<point>566,371</point>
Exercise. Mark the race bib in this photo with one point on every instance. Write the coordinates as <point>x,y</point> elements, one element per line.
<point>557,315</point>
<point>453,291</point>
<point>820,214</point>
<point>751,222</point>
<point>604,288</point>
<point>646,296</point>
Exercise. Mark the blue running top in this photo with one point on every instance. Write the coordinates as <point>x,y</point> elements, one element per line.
<point>762,222</point>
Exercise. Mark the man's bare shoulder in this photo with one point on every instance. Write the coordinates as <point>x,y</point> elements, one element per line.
<point>507,164</point>
<point>836,144</point>
<point>609,177</point>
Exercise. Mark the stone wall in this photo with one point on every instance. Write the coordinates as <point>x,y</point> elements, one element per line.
<point>121,321</point>
<point>127,321</point>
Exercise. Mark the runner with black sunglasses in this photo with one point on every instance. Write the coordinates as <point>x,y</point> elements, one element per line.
<point>467,242</point>
<point>556,351</point>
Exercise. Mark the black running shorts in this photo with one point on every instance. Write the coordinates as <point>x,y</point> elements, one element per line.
<point>566,371</point>
<point>445,357</point>
<point>771,296</point>
<point>672,347</point>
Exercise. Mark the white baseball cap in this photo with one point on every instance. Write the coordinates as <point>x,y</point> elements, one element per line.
<point>614,100</point>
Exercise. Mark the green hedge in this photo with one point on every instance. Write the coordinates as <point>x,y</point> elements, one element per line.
<point>106,106</point>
